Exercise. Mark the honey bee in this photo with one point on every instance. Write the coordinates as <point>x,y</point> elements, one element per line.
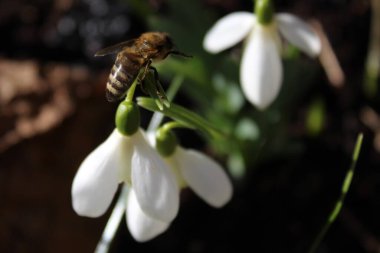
<point>133,56</point>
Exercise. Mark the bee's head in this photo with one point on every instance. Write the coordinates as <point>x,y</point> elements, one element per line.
<point>162,43</point>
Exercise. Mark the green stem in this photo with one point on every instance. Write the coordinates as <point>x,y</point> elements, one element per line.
<point>339,204</point>
<point>113,223</point>
<point>131,91</point>
<point>184,116</point>
<point>174,124</point>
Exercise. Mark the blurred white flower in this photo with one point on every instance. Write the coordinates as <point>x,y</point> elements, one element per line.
<point>153,199</point>
<point>261,69</point>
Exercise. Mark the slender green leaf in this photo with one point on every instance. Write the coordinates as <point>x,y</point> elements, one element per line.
<point>339,204</point>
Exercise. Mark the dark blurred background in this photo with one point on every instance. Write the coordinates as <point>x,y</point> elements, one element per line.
<point>53,113</point>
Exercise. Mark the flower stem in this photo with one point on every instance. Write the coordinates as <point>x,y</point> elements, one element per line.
<point>184,116</point>
<point>339,204</point>
<point>131,91</point>
<point>113,223</point>
<point>175,124</point>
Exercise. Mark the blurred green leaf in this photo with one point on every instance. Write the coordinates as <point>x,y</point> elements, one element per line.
<point>315,117</point>
<point>247,129</point>
<point>236,165</point>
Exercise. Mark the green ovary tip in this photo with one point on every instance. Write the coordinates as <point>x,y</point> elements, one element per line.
<point>264,11</point>
<point>166,141</point>
<point>127,118</point>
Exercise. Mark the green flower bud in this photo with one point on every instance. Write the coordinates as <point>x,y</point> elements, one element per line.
<point>127,118</point>
<point>264,11</point>
<point>166,142</point>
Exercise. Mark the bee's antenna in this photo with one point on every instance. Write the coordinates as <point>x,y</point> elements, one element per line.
<point>176,52</point>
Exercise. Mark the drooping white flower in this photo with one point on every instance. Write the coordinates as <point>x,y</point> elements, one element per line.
<point>261,69</point>
<point>153,199</point>
<point>191,168</point>
<point>202,174</point>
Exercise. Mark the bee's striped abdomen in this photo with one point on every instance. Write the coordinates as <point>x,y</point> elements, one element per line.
<point>120,79</point>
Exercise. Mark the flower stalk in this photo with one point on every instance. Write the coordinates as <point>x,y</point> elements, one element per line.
<point>131,91</point>
<point>113,223</point>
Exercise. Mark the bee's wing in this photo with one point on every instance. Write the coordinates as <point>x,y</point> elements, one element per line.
<point>115,48</point>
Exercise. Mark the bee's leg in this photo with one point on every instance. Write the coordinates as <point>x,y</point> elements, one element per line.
<point>141,84</point>
<point>142,87</point>
<point>155,72</point>
<point>141,77</point>
<point>157,81</point>
<point>146,69</point>
<point>159,90</point>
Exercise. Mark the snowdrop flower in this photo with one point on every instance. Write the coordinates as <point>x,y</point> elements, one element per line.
<point>190,168</point>
<point>153,199</point>
<point>260,67</point>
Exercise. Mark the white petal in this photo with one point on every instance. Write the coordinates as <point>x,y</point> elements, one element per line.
<point>299,34</point>
<point>155,186</point>
<point>228,31</point>
<point>141,226</point>
<point>124,157</point>
<point>97,179</point>
<point>261,69</point>
<point>174,166</point>
<point>151,137</point>
<point>205,177</point>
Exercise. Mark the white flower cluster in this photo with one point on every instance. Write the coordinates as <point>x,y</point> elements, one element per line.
<point>153,198</point>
